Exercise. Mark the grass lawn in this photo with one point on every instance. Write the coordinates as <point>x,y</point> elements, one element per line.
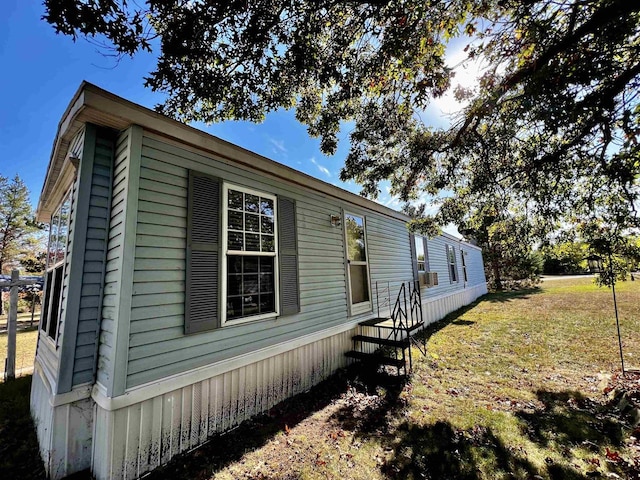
<point>26,341</point>
<point>512,387</point>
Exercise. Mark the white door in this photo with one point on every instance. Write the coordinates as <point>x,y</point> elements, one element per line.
<point>358,264</point>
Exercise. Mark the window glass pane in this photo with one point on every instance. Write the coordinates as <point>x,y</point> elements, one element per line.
<point>251,203</point>
<point>268,245</point>
<point>234,307</point>
<point>235,200</point>
<point>266,225</point>
<point>236,220</point>
<point>266,206</point>
<point>234,284</point>
<point>266,283</point>
<point>419,243</point>
<point>251,264</point>
<point>46,299</point>
<point>63,230</point>
<point>56,292</point>
<point>251,291</point>
<point>250,305</point>
<point>252,242</point>
<point>234,264</point>
<point>267,303</point>
<point>53,238</point>
<point>252,222</point>
<point>234,241</point>
<point>266,264</point>
<point>355,238</point>
<point>359,283</point>
<point>250,283</point>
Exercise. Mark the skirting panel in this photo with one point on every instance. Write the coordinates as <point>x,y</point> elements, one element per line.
<point>136,439</point>
<point>64,431</point>
<point>434,309</point>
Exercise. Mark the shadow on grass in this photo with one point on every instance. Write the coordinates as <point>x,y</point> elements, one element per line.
<point>19,454</point>
<point>441,450</point>
<point>224,449</point>
<point>509,296</point>
<point>570,418</point>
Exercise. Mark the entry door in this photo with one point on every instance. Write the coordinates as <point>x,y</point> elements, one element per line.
<point>358,263</point>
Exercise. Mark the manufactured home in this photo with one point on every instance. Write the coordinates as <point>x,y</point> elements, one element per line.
<point>191,284</point>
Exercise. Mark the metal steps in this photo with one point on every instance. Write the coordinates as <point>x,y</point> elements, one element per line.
<point>376,359</point>
<point>391,333</point>
<point>387,342</point>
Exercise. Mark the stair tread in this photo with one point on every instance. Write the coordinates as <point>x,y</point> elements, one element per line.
<point>374,321</point>
<point>382,341</point>
<point>375,358</point>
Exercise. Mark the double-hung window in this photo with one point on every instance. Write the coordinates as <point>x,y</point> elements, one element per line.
<point>56,256</point>
<point>250,260</point>
<point>451,260</point>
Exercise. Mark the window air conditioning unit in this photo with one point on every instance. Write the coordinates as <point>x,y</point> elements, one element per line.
<point>431,279</point>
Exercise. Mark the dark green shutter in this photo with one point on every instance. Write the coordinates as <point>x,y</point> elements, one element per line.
<point>203,254</point>
<point>288,257</point>
<point>414,256</point>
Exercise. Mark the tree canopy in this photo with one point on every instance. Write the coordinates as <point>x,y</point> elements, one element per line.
<point>551,131</point>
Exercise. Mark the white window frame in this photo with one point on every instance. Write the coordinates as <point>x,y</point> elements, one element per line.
<point>453,264</point>
<point>51,268</point>
<point>367,305</point>
<point>225,252</point>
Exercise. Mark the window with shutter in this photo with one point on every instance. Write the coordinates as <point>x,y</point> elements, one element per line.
<point>250,260</point>
<point>203,252</point>
<point>288,257</point>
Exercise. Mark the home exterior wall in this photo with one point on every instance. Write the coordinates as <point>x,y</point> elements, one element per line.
<point>131,389</point>
<point>158,346</point>
<point>60,394</point>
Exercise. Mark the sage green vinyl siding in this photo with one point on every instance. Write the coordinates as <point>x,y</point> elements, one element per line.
<point>438,262</point>
<point>158,346</point>
<point>47,351</point>
<point>389,252</point>
<point>111,295</point>
<point>94,258</point>
<point>475,266</point>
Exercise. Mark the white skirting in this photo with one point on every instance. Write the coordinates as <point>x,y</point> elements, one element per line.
<point>436,308</point>
<point>64,429</point>
<point>138,438</point>
<point>133,437</point>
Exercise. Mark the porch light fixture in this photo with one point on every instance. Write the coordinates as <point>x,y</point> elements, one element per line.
<point>335,220</point>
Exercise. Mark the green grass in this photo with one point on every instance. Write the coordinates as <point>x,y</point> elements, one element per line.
<point>19,456</point>
<point>26,341</point>
<point>511,387</point>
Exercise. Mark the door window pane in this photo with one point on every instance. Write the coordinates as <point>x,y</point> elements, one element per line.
<point>419,243</point>
<point>355,238</point>
<point>359,283</point>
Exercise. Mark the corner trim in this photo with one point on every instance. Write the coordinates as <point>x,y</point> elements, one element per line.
<point>121,348</point>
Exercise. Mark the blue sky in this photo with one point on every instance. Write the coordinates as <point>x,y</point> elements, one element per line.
<point>43,70</point>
